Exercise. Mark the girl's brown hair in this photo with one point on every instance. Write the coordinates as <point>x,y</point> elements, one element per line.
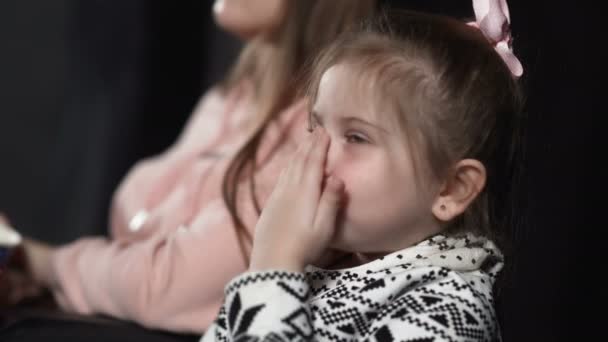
<point>455,99</point>
<point>309,26</point>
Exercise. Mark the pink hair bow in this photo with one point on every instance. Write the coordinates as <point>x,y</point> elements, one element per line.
<point>493,21</point>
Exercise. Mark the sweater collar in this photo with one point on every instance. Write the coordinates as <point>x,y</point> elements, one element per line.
<point>463,253</point>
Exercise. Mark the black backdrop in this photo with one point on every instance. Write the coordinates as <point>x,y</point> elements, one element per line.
<point>92,87</point>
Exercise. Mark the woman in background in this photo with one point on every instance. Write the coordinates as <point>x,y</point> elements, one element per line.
<point>181,222</point>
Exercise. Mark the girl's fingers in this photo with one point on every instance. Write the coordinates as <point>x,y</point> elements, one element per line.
<point>329,204</point>
<point>315,163</point>
<point>283,177</point>
<point>296,166</point>
<point>279,186</point>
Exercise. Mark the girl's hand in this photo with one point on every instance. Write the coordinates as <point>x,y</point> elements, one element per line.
<point>298,221</point>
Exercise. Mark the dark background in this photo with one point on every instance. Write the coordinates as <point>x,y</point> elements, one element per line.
<point>86,89</point>
<point>89,87</point>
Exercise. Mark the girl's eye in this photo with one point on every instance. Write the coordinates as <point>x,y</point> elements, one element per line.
<point>354,138</point>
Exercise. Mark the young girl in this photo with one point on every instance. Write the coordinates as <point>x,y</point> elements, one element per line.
<point>396,193</point>
<point>180,222</point>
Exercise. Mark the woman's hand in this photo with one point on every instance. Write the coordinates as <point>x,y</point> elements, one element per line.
<point>16,286</point>
<point>298,221</point>
<point>4,220</point>
<point>28,274</point>
<point>22,277</point>
<point>38,257</point>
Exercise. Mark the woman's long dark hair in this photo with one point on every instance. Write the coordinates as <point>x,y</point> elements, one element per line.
<point>308,26</point>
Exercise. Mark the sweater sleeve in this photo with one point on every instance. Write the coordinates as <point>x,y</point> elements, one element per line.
<point>274,306</point>
<point>268,305</point>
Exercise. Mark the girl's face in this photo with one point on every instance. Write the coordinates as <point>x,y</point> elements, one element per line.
<point>248,19</point>
<point>386,206</point>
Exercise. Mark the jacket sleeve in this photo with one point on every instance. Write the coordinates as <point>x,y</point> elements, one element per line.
<point>172,282</point>
<point>156,175</point>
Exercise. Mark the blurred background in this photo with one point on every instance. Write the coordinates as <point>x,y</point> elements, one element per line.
<point>86,89</point>
<point>89,87</point>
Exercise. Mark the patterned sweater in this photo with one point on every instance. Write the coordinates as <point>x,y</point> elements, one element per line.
<point>437,290</point>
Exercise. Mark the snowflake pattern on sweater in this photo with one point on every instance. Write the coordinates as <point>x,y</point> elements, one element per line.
<point>437,290</point>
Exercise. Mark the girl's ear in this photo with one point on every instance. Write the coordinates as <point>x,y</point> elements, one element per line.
<point>460,188</point>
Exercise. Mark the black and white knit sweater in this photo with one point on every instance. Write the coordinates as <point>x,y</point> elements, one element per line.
<point>437,290</point>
